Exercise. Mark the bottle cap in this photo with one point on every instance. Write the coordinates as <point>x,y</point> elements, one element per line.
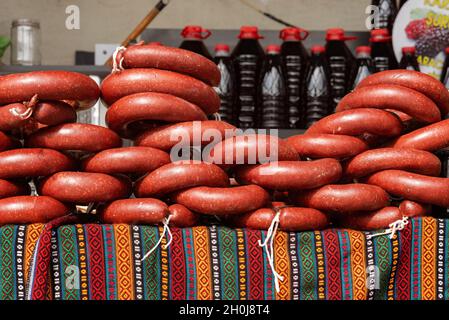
<point>337,34</point>
<point>408,50</point>
<point>317,49</point>
<point>293,33</point>
<point>273,48</point>
<point>380,35</point>
<point>363,49</point>
<point>195,32</point>
<point>446,51</point>
<point>249,32</point>
<point>222,47</point>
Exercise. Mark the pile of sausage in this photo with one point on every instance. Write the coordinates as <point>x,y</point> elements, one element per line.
<point>364,167</point>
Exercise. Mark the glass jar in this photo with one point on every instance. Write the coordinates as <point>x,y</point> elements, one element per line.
<point>25,42</point>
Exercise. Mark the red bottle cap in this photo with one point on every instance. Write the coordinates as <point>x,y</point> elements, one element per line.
<point>446,51</point>
<point>409,50</point>
<point>380,35</point>
<point>249,32</point>
<point>222,47</point>
<point>337,34</point>
<point>317,49</point>
<point>195,32</point>
<point>363,49</point>
<point>273,48</point>
<point>292,33</point>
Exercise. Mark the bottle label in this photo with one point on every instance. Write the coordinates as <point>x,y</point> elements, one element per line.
<point>294,76</point>
<point>381,63</point>
<point>338,68</point>
<point>247,66</point>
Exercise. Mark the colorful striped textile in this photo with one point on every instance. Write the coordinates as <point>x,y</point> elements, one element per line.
<point>93,261</point>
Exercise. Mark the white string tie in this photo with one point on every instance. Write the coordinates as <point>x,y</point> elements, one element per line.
<point>116,67</point>
<point>164,232</point>
<point>217,116</point>
<point>398,225</point>
<point>268,246</point>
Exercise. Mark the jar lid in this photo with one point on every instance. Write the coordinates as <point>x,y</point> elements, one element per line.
<point>293,33</point>
<point>273,48</point>
<point>222,47</point>
<point>337,34</point>
<point>249,32</point>
<point>317,49</point>
<point>26,22</point>
<point>195,32</point>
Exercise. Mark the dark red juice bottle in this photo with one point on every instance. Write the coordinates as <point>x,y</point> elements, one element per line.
<point>409,61</point>
<point>272,92</point>
<point>341,63</point>
<point>226,88</point>
<point>294,59</point>
<point>364,65</point>
<point>317,89</point>
<point>382,50</point>
<point>193,40</point>
<point>388,10</point>
<point>247,57</point>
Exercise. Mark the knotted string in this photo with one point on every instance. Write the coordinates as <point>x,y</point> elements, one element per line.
<point>269,249</point>
<point>169,237</point>
<point>29,111</point>
<point>117,65</point>
<point>398,225</point>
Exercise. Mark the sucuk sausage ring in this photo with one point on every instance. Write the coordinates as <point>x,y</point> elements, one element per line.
<point>344,198</point>
<point>13,188</point>
<point>375,160</point>
<point>291,175</point>
<point>49,85</point>
<point>251,149</point>
<point>75,136</point>
<point>430,138</point>
<point>317,146</point>
<point>172,59</point>
<point>357,122</point>
<point>413,209</point>
<point>180,175</point>
<point>33,162</point>
<point>126,160</point>
<point>85,187</point>
<point>418,81</point>
<point>222,201</point>
<point>166,137</point>
<point>135,211</point>
<point>130,81</point>
<point>412,186</point>
<point>31,209</point>
<point>387,96</point>
<point>181,217</point>
<point>52,113</point>
<point>369,221</point>
<point>150,106</point>
<point>7,142</point>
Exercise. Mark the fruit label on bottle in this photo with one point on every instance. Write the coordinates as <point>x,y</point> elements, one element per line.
<point>423,24</point>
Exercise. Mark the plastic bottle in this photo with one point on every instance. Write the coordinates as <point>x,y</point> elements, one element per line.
<point>193,40</point>
<point>445,74</point>
<point>295,58</point>
<point>226,88</point>
<point>382,50</point>
<point>317,89</point>
<point>388,10</point>
<point>272,91</point>
<point>408,60</point>
<point>364,65</point>
<point>341,63</point>
<point>248,57</point>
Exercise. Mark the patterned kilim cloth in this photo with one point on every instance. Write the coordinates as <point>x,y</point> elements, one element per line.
<point>104,262</point>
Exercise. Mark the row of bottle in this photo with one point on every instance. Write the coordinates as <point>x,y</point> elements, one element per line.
<point>287,88</point>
